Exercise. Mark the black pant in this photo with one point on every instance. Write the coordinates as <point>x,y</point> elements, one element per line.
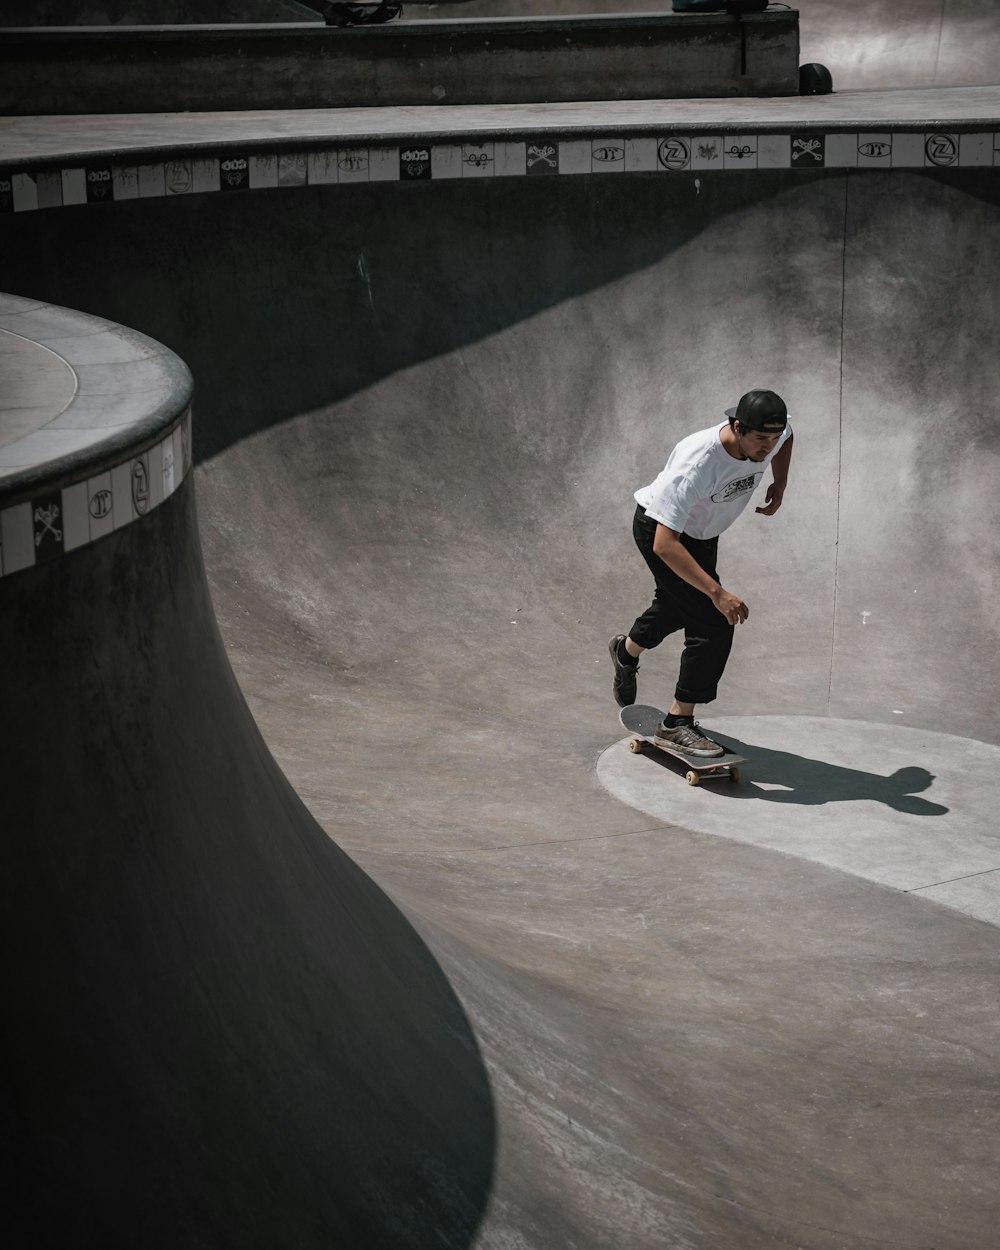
<point>708,636</point>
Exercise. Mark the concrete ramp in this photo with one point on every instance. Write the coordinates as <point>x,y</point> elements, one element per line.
<point>421,413</point>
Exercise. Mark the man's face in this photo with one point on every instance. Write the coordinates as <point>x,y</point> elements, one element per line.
<point>758,444</point>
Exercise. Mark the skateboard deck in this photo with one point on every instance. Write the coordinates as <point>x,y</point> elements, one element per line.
<point>642,720</point>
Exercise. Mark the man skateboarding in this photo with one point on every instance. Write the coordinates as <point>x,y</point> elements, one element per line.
<point>705,485</point>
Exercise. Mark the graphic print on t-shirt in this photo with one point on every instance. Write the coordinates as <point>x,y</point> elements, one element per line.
<point>742,486</point>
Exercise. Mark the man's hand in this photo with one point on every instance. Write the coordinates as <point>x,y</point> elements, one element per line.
<point>772,500</point>
<point>779,479</point>
<point>734,610</point>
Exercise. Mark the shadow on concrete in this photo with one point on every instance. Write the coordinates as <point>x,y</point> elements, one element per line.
<point>812,783</point>
<point>333,309</point>
<point>224,1033</point>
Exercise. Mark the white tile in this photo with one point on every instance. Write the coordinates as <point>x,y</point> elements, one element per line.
<point>179,466</point>
<point>774,152</point>
<point>384,163</point>
<point>446,160</point>
<point>205,174</point>
<point>353,165</point>
<point>292,169</point>
<point>178,177</point>
<point>607,156</point>
<point>674,153</point>
<point>49,189</point>
<point>907,151</point>
<point>841,151</point>
<point>185,432</point>
<point>705,151</point>
<point>941,150</point>
<point>100,505</point>
<point>152,181</point>
<point>976,150</point>
<point>17,537</point>
<point>322,167</point>
<point>740,152</point>
<point>874,151</point>
<point>74,186</point>
<point>479,160</point>
<point>167,465</point>
<point>640,154</point>
<point>510,159</point>
<point>126,182</point>
<point>575,156</point>
<point>154,459</point>
<point>76,522</point>
<point>263,171</point>
<point>25,193</point>
<point>121,490</point>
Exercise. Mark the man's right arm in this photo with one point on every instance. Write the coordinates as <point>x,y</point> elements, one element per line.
<point>668,546</point>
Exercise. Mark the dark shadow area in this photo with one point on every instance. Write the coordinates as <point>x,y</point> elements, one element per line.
<point>287,300</point>
<point>812,783</point>
<point>219,1031</point>
<point>323,291</point>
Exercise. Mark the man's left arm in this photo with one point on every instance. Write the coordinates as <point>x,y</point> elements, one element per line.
<point>779,467</point>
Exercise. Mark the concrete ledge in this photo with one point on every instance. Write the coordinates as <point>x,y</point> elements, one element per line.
<point>30,143</point>
<point>94,429</point>
<point>485,61</point>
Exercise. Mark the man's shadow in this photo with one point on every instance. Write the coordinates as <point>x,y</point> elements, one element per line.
<point>814,782</point>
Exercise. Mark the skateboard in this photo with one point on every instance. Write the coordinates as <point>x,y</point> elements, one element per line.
<point>642,720</point>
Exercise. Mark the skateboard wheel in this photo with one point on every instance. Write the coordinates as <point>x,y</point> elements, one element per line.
<point>734,774</point>
<point>635,746</point>
<point>693,779</point>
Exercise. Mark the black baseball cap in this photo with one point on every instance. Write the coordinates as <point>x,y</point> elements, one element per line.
<point>760,410</point>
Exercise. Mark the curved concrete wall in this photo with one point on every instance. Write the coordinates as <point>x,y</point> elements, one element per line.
<point>839,247</point>
<point>207,998</point>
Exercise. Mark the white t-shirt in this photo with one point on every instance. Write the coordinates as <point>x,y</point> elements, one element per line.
<point>703,489</point>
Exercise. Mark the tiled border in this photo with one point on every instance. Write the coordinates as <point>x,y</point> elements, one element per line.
<point>54,522</point>
<point>22,190</point>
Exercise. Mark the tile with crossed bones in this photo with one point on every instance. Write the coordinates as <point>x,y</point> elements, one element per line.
<point>546,154</point>
<point>807,147</point>
<point>47,517</point>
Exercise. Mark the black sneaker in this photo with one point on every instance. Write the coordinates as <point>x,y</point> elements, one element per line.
<point>688,738</point>
<point>623,682</point>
